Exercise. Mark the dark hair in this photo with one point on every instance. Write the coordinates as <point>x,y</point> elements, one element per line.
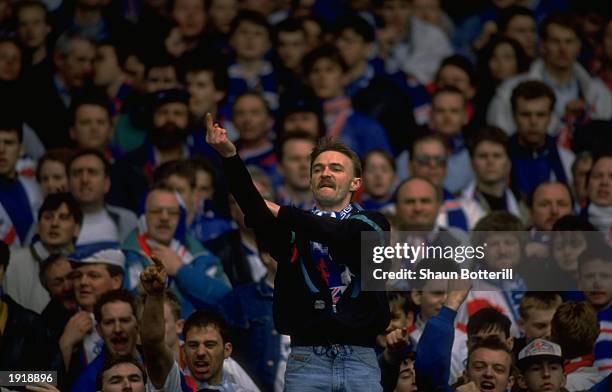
<point>357,24</point>
<point>326,51</point>
<point>94,98</point>
<point>532,89</point>
<point>23,4</point>
<point>532,194</point>
<point>112,361</point>
<point>507,14</point>
<point>485,54</point>
<point>491,134</point>
<point>217,69</point>
<point>54,201</point>
<point>327,144</point>
<point>61,155</point>
<point>573,223</point>
<point>597,249</point>
<point>200,162</point>
<point>287,137</point>
<point>597,158</point>
<point>89,151</point>
<point>494,344</point>
<point>499,221</point>
<point>256,94</point>
<point>564,19</point>
<point>205,318</point>
<point>460,62</point>
<point>253,17</point>
<point>120,295</point>
<point>289,25</point>
<point>487,319</point>
<point>448,90</point>
<point>5,254</point>
<point>575,328</point>
<point>46,264</point>
<point>180,168</point>
<point>10,122</point>
<point>159,60</point>
<point>386,156</point>
<point>427,137</point>
<point>121,50</point>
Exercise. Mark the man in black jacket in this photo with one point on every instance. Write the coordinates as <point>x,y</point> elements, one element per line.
<point>318,299</point>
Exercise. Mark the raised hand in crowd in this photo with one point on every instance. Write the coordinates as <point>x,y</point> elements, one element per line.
<point>169,258</point>
<point>217,138</point>
<point>75,331</point>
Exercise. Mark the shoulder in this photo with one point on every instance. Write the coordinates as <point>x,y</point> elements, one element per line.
<point>373,219</point>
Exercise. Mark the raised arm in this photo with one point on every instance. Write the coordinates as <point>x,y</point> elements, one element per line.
<point>158,356</point>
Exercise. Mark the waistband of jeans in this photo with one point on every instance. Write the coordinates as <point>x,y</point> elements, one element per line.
<point>297,341</point>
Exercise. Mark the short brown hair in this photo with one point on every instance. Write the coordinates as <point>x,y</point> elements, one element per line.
<point>563,19</point>
<point>539,300</point>
<point>495,344</point>
<point>532,89</point>
<point>327,144</point>
<point>61,155</point>
<point>575,328</point>
<point>491,134</point>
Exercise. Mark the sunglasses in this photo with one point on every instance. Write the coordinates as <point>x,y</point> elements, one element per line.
<point>438,160</point>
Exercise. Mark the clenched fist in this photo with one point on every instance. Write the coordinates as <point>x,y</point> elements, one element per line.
<point>153,278</point>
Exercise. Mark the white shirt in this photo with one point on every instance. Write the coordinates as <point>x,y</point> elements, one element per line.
<point>98,227</point>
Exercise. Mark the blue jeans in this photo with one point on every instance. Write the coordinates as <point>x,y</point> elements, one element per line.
<point>333,368</point>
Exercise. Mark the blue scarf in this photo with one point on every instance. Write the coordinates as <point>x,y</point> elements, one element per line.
<point>336,276</point>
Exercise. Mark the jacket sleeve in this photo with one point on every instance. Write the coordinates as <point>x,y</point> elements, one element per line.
<point>197,285</point>
<point>341,236</point>
<point>434,350</point>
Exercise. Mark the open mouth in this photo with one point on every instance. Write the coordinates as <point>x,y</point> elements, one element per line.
<point>487,386</point>
<point>202,366</point>
<point>119,343</point>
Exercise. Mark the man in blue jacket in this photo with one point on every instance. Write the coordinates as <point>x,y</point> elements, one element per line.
<point>318,299</point>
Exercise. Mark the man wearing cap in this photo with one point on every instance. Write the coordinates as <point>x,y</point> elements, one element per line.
<point>166,141</point>
<point>541,366</point>
<point>97,270</point>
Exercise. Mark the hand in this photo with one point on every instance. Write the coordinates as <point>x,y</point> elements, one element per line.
<point>469,387</point>
<point>42,387</point>
<point>153,278</point>
<point>174,43</point>
<point>396,341</point>
<point>217,138</point>
<point>487,32</point>
<point>458,290</point>
<point>574,108</point>
<point>77,327</point>
<point>171,261</point>
<point>273,207</point>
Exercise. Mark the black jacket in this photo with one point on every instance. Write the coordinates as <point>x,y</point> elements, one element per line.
<point>302,301</point>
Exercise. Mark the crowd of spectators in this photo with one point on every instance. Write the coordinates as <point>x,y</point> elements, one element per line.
<point>125,261</point>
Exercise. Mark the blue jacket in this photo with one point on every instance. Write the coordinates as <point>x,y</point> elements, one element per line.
<point>362,134</point>
<point>87,380</point>
<point>248,309</point>
<point>199,284</point>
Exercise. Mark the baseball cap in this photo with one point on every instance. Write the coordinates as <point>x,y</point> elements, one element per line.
<point>102,253</point>
<point>538,350</point>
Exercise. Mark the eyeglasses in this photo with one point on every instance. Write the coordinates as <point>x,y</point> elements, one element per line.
<point>438,160</point>
<point>173,212</point>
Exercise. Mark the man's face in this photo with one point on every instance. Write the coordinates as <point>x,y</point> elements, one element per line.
<point>353,49</point>
<point>417,205</point>
<point>251,118</point>
<point>92,127</point>
<point>430,299</point>
<point>59,283</point>
<point>566,246</point>
<point>205,352</point>
<point>595,280</point>
<point>175,113</point>
<point>106,68</point>
<point>203,93</point>
<point>250,41</point>
<point>490,370</point>
<point>600,183</point>
<point>532,118</point>
<point>543,376</point>
<point>302,121</point>
<point>10,61</point>
<point>537,323</point>
<point>429,161</point>
<point>295,166</point>
<point>58,228</point>
<point>182,186</point>
<point>550,202</point>
<point>326,79</point>
<point>378,176</point>
<point>76,67</point>
<point>88,181</point>
<point>523,29</point>
<point>406,381</point>
<point>332,180</point>
<point>118,328</point>
<point>222,12</point>
<point>162,215</point>
<point>583,166</point>
<point>503,62</point>
<point>124,377</point>
<point>503,250</point>
<point>190,17</point>
<point>454,76</point>
<point>448,115</point>
<point>53,178</point>
<point>560,49</point>
<point>32,29</point>
<point>491,163</point>
<point>91,281</point>
<point>161,78</point>
<point>395,13</point>
<point>172,326</point>
<point>10,148</point>
<point>291,48</point>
